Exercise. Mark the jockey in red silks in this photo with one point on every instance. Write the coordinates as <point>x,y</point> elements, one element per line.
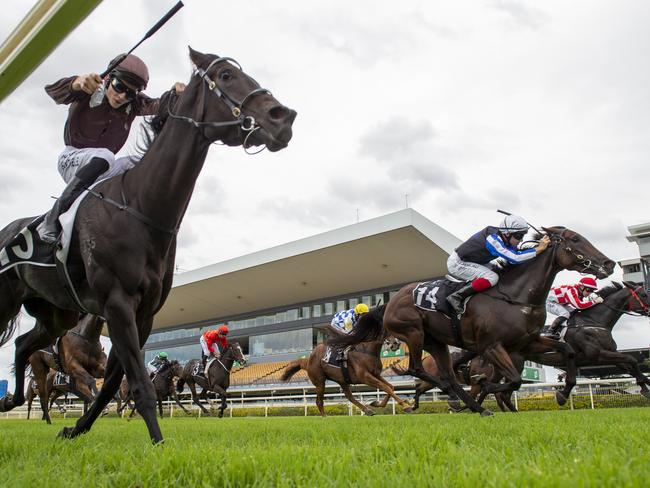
<point>565,299</point>
<point>213,342</point>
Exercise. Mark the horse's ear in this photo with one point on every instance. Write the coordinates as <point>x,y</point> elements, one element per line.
<point>199,59</point>
<point>617,285</point>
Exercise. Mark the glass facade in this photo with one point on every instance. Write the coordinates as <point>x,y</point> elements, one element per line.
<point>281,343</point>
<point>300,340</point>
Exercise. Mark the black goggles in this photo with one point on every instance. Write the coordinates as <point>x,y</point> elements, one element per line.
<point>120,87</point>
<point>518,235</point>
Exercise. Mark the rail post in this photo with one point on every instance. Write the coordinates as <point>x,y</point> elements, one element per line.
<point>591,397</point>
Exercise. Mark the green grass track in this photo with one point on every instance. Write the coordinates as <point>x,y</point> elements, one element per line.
<point>568,449</point>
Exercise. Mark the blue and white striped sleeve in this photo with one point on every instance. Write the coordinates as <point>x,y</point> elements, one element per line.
<point>497,248</point>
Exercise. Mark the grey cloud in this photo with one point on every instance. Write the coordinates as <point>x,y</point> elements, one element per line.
<point>520,12</point>
<point>410,152</point>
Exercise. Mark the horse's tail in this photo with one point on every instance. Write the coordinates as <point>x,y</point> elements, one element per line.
<point>293,367</point>
<point>7,330</point>
<point>370,327</point>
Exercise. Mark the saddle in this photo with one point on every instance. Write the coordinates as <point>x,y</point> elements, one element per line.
<point>432,295</point>
<point>338,358</point>
<point>27,248</point>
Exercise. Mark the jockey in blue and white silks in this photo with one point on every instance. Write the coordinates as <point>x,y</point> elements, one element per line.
<point>345,320</point>
<point>471,260</point>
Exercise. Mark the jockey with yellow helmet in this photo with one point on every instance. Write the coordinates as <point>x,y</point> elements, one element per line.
<point>345,320</point>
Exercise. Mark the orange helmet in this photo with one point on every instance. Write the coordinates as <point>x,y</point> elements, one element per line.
<point>223,329</point>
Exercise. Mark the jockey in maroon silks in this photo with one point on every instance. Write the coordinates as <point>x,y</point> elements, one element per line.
<point>94,134</point>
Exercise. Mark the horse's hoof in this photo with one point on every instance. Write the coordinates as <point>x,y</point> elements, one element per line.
<point>487,413</point>
<point>6,403</point>
<point>646,393</point>
<point>220,415</point>
<point>559,396</point>
<point>374,403</point>
<point>66,433</point>
<point>370,413</point>
<point>409,410</point>
<point>455,405</point>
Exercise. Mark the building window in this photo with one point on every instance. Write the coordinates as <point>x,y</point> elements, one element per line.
<point>341,305</point>
<point>329,308</point>
<point>318,310</point>
<point>632,268</point>
<point>281,343</point>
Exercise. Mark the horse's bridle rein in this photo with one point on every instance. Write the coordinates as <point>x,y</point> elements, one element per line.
<point>246,123</point>
<point>581,260</point>
<point>634,297</point>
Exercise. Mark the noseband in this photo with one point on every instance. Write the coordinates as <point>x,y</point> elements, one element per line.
<point>587,264</point>
<point>246,123</point>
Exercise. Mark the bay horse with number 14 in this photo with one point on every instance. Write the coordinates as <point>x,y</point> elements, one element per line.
<point>505,318</point>
<point>122,251</point>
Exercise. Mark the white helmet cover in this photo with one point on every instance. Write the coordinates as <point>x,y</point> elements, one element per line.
<point>513,223</point>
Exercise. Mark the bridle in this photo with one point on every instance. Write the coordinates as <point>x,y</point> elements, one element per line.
<point>246,123</point>
<point>634,297</point>
<point>587,264</point>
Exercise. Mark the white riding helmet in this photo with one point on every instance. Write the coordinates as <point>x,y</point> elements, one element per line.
<point>512,224</point>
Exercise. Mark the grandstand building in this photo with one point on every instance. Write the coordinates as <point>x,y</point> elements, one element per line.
<point>276,302</point>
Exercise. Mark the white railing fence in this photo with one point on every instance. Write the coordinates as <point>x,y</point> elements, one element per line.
<point>588,394</point>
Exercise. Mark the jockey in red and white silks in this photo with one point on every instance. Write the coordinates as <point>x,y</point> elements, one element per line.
<point>564,299</point>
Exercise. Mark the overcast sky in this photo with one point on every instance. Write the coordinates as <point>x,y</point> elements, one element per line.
<point>541,108</point>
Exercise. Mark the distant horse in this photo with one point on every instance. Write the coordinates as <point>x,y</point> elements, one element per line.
<point>505,318</point>
<point>32,393</point>
<point>364,367</point>
<point>80,355</point>
<point>218,376</point>
<point>163,383</point>
<point>122,251</point>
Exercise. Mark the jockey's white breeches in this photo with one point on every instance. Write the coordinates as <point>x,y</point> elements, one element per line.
<point>72,159</point>
<point>204,346</point>
<point>470,271</point>
<point>556,308</point>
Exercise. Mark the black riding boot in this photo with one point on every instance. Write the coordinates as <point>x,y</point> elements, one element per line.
<point>457,298</point>
<point>556,327</point>
<point>49,230</point>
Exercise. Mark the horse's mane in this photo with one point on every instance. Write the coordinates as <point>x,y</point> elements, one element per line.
<point>609,289</point>
<point>153,126</point>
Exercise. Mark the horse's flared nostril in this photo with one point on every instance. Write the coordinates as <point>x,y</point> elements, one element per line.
<point>281,113</point>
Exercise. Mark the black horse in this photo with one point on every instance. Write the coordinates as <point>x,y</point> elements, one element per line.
<point>501,320</point>
<point>218,376</point>
<point>589,334</point>
<point>121,257</point>
<point>163,383</point>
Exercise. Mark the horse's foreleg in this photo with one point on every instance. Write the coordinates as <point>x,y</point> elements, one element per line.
<point>174,395</point>
<point>500,358</point>
<point>112,381</point>
<point>628,364</point>
<point>195,397</point>
<point>447,381</point>
<point>381,384</point>
<point>127,338</point>
<point>348,394</point>
<point>543,345</point>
